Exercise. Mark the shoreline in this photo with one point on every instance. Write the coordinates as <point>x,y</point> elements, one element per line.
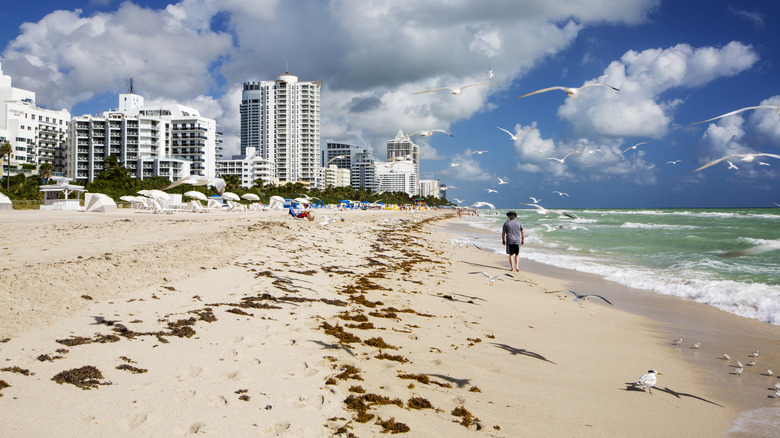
<point>540,363</point>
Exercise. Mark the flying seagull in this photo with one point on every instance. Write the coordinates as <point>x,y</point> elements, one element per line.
<point>427,133</point>
<point>459,201</point>
<point>742,157</point>
<point>492,278</point>
<point>732,165</point>
<point>501,181</point>
<point>483,204</point>
<point>513,136</point>
<point>543,211</point>
<point>774,107</point>
<point>561,160</point>
<point>648,380</point>
<point>490,73</point>
<point>491,191</point>
<point>561,193</point>
<point>536,201</point>
<point>580,297</point>
<point>456,91</point>
<point>478,152</point>
<point>571,92</point>
<point>454,164</point>
<point>673,162</point>
<point>633,147</point>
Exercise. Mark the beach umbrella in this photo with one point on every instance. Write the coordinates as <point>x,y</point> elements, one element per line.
<point>196,195</point>
<point>302,200</point>
<point>250,197</point>
<point>197,180</point>
<point>231,196</point>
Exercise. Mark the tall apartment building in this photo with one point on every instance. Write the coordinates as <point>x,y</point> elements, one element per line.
<point>397,176</point>
<point>358,159</point>
<point>401,147</point>
<point>140,143</point>
<point>37,135</point>
<point>169,140</point>
<point>281,120</point>
<point>430,187</point>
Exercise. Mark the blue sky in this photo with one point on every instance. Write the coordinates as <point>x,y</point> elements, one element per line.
<point>674,62</point>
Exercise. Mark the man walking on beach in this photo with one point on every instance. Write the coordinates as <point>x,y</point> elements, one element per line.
<point>513,237</point>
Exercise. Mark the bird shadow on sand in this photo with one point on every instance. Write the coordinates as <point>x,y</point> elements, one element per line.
<point>632,387</point>
<point>333,346</point>
<point>460,382</point>
<point>521,351</point>
<point>449,297</point>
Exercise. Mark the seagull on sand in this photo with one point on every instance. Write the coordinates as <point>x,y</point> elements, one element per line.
<point>769,372</point>
<point>739,365</point>
<point>561,193</point>
<point>696,346</point>
<point>580,297</point>
<point>633,147</point>
<point>752,363</point>
<point>738,370</point>
<point>561,160</point>
<point>513,136</point>
<point>571,92</point>
<point>459,90</point>
<point>648,380</point>
<point>677,341</point>
<point>493,278</point>
<point>427,133</point>
<point>774,107</point>
<point>501,181</point>
<point>742,157</point>
<point>754,354</point>
<point>726,356</point>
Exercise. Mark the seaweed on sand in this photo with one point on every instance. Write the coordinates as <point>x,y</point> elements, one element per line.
<point>86,377</point>
<point>131,368</point>
<point>379,343</point>
<point>338,332</point>
<point>392,426</point>
<point>467,417</point>
<point>397,357</point>
<point>419,403</point>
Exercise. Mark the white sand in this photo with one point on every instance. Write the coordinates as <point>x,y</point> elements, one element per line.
<point>523,362</point>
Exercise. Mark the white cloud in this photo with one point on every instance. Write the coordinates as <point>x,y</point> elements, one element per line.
<point>638,109</point>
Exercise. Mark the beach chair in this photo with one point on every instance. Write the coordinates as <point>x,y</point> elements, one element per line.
<point>158,208</point>
<point>235,206</point>
<point>197,207</point>
<point>214,205</point>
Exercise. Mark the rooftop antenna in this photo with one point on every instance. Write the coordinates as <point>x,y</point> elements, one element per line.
<point>131,90</point>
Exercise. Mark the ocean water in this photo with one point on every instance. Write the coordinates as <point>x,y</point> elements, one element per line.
<point>727,258</point>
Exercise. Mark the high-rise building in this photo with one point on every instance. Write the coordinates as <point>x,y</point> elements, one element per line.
<point>397,176</point>
<point>402,148</point>
<point>430,187</point>
<point>37,135</point>
<point>249,168</point>
<point>281,119</point>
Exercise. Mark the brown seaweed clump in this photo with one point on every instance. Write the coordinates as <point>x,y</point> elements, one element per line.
<point>396,357</point>
<point>422,378</point>
<point>357,389</point>
<point>379,343</point>
<point>349,372</point>
<point>86,377</point>
<point>338,332</point>
<point>392,426</point>
<point>15,369</point>
<point>3,385</point>
<point>361,326</point>
<point>419,403</point>
<point>359,317</point>
<point>468,417</point>
<point>132,369</point>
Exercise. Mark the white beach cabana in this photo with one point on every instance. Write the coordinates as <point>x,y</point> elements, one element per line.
<point>276,203</point>
<point>5,203</point>
<point>99,203</point>
<point>52,193</point>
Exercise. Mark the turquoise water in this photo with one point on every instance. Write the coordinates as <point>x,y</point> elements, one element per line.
<point>729,258</point>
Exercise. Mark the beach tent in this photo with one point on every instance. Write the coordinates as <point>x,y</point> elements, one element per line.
<point>98,202</point>
<point>276,203</point>
<point>250,197</point>
<point>196,195</point>
<point>5,203</point>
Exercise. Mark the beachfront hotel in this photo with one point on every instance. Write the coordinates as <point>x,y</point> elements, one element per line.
<point>37,135</point>
<point>249,168</point>
<point>281,120</point>
<point>358,160</point>
<point>168,140</point>
<point>402,147</point>
<point>397,176</point>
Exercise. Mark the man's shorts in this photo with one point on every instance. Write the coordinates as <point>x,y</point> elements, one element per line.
<point>512,248</point>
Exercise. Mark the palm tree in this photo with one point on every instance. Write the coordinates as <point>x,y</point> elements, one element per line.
<point>6,149</point>
<point>232,182</point>
<point>44,171</point>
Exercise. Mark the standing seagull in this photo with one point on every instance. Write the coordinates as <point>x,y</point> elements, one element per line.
<point>580,297</point>
<point>571,92</point>
<point>774,107</point>
<point>456,91</point>
<point>648,380</point>
<point>748,158</point>
<point>513,136</point>
<point>492,278</point>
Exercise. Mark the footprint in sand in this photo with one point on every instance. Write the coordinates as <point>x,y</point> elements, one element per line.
<point>218,401</point>
<point>186,395</point>
<point>135,421</point>
<point>235,375</point>
<point>229,354</point>
<point>194,371</point>
<point>314,402</point>
<point>196,428</point>
<point>238,340</point>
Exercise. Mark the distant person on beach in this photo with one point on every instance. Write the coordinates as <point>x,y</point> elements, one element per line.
<point>513,237</point>
<point>301,214</point>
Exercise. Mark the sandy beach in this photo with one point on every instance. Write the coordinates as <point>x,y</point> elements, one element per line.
<point>256,324</point>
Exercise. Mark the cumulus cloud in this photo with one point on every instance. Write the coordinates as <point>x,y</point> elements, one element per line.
<point>639,108</point>
<point>467,169</point>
